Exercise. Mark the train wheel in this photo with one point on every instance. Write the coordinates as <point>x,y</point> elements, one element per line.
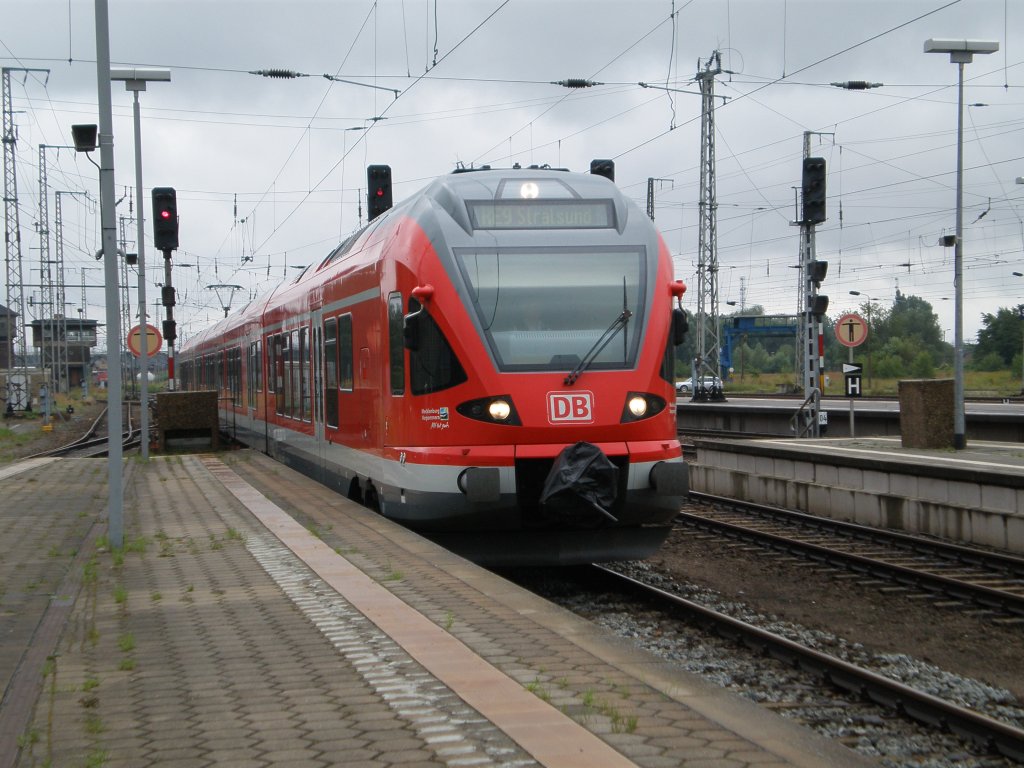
<point>355,492</point>
<point>370,497</point>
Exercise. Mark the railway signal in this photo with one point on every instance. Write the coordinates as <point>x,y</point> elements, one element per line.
<point>813,188</point>
<point>378,190</point>
<point>165,218</point>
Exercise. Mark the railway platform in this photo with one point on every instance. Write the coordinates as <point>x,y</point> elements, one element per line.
<point>255,618</point>
<point>975,495</point>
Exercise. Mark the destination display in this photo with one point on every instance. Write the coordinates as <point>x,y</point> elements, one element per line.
<point>541,214</point>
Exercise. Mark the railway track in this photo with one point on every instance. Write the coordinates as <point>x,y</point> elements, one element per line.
<point>990,581</point>
<point>94,442</point>
<point>999,737</point>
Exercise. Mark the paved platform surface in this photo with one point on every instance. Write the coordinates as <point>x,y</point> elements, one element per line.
<point>253,618</point>
<point>998,458</point>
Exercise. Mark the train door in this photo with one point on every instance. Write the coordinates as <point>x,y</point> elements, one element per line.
<point>318,393</point>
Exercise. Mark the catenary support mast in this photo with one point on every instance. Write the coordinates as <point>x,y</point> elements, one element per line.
<point>708,362</point>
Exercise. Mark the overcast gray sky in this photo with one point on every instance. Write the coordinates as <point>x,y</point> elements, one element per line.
<point>473,82</point>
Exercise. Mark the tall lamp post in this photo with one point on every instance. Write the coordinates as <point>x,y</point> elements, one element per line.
<point>960,52</point>
<point>1021,311</point>
<point>135,80</point>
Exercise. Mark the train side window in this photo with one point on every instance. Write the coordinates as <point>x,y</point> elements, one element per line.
<point>396,343</point>
<point>305,409</point>
<point>295,364</point>
<point>346,366</point>
<point>331,372</point>
<point>271,363</point>
<point>281,343</point>
<point>433,365</point>
<point>257,365</point>
<point>668,362</point>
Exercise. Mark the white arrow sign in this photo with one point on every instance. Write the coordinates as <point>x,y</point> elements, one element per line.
<point>852,368</point>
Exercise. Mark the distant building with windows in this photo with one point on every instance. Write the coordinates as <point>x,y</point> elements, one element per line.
<point>64,346</point>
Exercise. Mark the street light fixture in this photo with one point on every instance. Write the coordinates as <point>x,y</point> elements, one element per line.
<point>960,52</point>
<point>135,80</point>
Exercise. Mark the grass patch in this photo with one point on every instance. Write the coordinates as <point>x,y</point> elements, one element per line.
<point>126,642</point>
<point>538,690</point>
<point>120,595</point>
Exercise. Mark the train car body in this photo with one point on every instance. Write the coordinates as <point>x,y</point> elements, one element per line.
<point>440,363</point>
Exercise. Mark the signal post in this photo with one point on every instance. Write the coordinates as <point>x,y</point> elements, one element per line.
<point>813,304</point>
<point>165,238</point>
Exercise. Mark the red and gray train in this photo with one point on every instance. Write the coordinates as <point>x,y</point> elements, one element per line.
<point>489,362</point>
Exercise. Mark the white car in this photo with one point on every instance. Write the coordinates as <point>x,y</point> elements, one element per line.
<point>686,387</point>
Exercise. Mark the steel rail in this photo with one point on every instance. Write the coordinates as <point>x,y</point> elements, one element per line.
<point>989,597</point>
<point>995,735</point>
<point>944,549</point>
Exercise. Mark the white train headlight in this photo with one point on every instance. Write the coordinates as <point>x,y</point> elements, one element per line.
<point>637,406</point>
<point>499,410</point>
<point>641,405</point>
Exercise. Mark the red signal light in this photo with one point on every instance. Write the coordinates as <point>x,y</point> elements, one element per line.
<point>380,191</point>
<point>165,214</point>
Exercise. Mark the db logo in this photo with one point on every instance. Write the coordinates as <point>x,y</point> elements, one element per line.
<point>571,407</point>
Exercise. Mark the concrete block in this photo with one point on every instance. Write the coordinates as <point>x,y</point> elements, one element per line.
<point>764,465</point>
<point>1015,534</point>
<point>796,495</point>
<point>926,413</point>
<point>187,415</point>
<point>842,505</point>
<point>803,471</point>
<point>904,486</point>
<point>875,482</point>
<point>932,489</point>
<point>961,494</point>
<point>826,474</point>
<point>867,509</point>
<point>999,498</point>
<point>819,500</point>
<point>746,463</point>
<point>988,530</point>
<point>851,477</point>
<point>784,468</point>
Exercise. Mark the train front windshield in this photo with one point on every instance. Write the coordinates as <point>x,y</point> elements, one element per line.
<point>546,309</point>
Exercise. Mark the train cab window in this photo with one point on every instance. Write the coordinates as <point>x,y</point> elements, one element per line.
<point>547,309</point>
<point>433,365</point>
<point>346,366</point>
<point>396,343</point>
<point>331,372</point>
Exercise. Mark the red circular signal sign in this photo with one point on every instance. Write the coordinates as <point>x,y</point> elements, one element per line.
<point>851,330</point>
<point>153,340</point>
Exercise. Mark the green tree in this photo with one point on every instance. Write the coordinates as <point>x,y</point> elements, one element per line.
<point>1000,335</point>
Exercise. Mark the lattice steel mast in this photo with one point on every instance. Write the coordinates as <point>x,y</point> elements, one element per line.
<point>708,360</point>
<point>17,393</point>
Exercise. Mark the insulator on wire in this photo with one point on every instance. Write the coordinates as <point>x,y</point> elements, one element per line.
<point>857,85</point>
<point>283,74</point>
<point>576,82</point>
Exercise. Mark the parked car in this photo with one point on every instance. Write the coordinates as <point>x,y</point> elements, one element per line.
<point>685,387</point>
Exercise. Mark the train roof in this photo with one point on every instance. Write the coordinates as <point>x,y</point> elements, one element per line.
<point>454,194</point>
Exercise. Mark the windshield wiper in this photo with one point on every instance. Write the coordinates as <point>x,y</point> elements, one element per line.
<point>600,344</point>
